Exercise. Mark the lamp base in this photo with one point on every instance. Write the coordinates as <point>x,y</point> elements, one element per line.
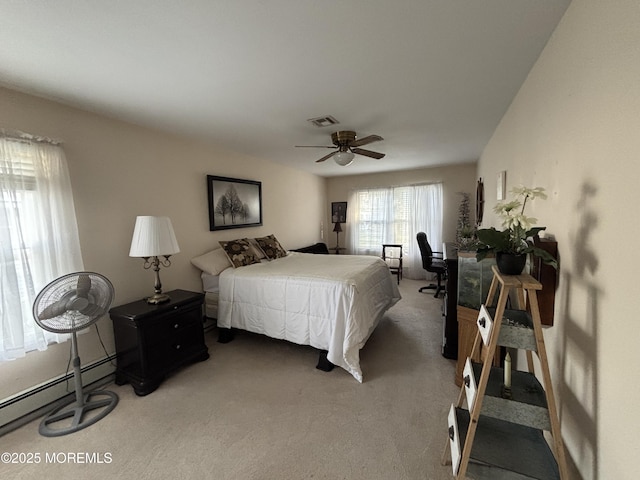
<point>158,298</point>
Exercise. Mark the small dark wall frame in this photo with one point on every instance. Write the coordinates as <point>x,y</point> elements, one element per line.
<point>479,202</point>
<point>234,203</point>
<point>338,212</point>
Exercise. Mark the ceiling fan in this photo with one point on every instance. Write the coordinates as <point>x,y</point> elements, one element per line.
<point>348,145</point>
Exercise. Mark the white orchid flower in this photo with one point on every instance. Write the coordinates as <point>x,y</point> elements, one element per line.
<point>505,208</point>
<point>537,192</point>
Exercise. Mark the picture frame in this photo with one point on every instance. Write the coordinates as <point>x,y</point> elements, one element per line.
<point>501,182</point>
<point>479,202</point>
<point>338,212</point>
<point>233,203</point>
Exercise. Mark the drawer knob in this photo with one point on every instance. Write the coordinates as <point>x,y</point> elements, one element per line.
<point>451,433</point>
<point>176,325</point>
<point>178,347</point>
<point>175,307</point>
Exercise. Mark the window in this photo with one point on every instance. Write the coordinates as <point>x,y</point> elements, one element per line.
<point>396,215</point>
<point>38,236</point>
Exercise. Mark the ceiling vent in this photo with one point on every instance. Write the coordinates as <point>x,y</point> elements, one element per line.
<point>323,121</point>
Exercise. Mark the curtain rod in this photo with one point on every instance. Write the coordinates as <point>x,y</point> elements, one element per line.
<point>397,186</point>
<point>22,136</point>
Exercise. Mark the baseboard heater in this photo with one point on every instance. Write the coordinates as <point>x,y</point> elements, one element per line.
<point>26,406</point>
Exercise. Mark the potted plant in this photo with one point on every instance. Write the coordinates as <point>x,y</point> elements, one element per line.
<point>467,241</point>
<point>510,245</point>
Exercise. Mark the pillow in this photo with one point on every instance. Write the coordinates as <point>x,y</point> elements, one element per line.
<point>213,262</point>
<point>256,248</point>
<point>239,252</point>
<point>271,247</point>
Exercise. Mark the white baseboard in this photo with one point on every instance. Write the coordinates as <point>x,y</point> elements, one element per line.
<point>38,400</point>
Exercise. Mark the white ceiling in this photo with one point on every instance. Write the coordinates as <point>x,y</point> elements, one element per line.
<point>433,77</point>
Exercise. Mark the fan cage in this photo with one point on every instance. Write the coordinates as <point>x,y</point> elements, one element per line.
<point>65,288</point>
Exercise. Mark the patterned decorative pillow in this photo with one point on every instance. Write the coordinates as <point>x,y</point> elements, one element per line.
<point>257,250</point>
<point>271,247</point>
<point>239,252</point>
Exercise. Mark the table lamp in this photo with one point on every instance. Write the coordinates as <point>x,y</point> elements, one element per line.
<point>153,237</point>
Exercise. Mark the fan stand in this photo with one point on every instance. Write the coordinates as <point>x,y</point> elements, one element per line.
<point>78,411</point>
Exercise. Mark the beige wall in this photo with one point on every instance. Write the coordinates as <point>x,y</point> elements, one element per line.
<point>119,171</point>
<point>455,179</point>
<point>574,128</point>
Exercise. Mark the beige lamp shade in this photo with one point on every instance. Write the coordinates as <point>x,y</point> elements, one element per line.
<point>153,236</point>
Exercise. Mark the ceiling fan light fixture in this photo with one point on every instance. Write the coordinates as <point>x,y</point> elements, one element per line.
<point>348,146</point>
<point>343,158</point>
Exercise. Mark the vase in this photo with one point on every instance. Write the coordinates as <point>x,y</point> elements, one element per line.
<point>511,263</point>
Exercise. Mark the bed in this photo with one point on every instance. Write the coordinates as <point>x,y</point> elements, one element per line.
<point>330,302</point>
<point>211,287</point>
<point>215,262</point>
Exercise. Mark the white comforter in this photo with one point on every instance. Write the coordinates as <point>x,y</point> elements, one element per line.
<point>331,302</point>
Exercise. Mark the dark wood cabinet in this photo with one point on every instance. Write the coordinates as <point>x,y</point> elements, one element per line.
<point>548,277</point>
<point>450,304</point>
<point>154,340</point>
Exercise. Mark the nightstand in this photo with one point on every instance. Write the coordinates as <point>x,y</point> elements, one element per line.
<point>154,340</point>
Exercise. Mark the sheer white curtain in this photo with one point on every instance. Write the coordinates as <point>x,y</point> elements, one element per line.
<point>370,220</point>
<point>38,237</point>
<point>395,215</point>
<point>427,205</point>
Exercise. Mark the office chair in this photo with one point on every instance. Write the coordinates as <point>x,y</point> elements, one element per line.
<point>431,262</point>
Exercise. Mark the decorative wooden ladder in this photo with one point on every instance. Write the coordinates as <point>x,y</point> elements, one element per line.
<point>502,434</point>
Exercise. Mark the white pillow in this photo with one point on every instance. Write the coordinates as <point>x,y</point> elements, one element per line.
<point>213,262</point>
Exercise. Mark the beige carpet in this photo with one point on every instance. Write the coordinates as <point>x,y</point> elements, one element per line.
<point>258,409</point>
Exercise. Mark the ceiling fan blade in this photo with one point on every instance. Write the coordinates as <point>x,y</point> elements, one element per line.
<point>368,153</point>
<point>366,140</point>
<point>314,146</point>
<point>84,285</point>
<point>326,157</point>
<point>53,310</point>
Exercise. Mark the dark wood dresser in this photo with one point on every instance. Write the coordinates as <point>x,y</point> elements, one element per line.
<point>450,303</point>
<point>154,340</point>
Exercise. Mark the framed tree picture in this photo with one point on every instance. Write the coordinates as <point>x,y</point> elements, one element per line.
<point>234,203</point>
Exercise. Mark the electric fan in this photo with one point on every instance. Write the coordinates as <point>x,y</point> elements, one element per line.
<point>66,305</point>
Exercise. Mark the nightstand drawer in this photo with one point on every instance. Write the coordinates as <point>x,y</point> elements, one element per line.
<point>174,349</point>
<point>171,323</point>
